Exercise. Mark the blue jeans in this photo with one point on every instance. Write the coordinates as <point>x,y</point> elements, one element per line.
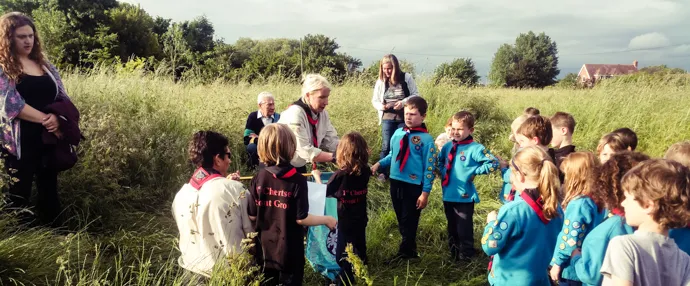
<point>388,127</point>
<point>253,154</point>
<point>566,282</point>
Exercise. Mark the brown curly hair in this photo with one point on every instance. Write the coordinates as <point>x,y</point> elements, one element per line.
<point>9,61</point>
<point>606,184</point>
<point>353,154</point>
<point>664,183</point>
<point>205,145</point>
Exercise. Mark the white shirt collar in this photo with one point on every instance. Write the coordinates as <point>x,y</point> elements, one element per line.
<point>259,115</point>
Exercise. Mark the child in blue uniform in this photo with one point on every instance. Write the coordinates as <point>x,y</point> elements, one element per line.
<point>536,131</point>
<point>411,160</point>
<point>459,162</point>
<point>521,237</point>
<point>680,152</point>
<point>588,262</point>
<point>584,210</point>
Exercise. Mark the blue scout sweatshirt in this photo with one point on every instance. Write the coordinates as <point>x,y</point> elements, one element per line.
<point>504,194</point>
<point>581,216</point>
<point>470,159</point>
<point>419,168</point>
<point>682,238</point>
<point>588,264</point>
<point>521,243</point>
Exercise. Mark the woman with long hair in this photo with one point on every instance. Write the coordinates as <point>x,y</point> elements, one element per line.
<point>28,85</point>
<point>391,91</point>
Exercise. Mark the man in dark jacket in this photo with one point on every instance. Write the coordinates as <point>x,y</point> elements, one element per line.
<point>256,121</point>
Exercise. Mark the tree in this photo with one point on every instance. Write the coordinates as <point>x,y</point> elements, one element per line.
<point>569,81</point>
<point>134,30</point>
<point>25,6</point>
<point>459,71</point>
<point>199,34</point>
<point>53,30</point>
<point>535,55</point>
<point>175,49</point>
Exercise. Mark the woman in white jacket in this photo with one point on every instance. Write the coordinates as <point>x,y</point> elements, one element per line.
<point>391,91</point>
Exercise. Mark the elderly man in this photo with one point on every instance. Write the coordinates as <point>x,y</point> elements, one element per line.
<point>256,121</point>
<point>317,139</point>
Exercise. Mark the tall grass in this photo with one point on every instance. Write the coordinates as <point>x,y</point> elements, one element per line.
<point>134,161</point>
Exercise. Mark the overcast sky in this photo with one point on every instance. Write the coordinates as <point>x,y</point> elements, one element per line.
<point>429,32</point>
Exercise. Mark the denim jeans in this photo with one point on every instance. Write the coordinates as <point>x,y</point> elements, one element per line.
<point>388,127</point>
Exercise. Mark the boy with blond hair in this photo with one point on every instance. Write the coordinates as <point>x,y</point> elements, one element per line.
<point>459,162</point>
<point>657,198</point>
<point>680,152</point>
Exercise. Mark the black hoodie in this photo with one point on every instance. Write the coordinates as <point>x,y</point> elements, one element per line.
<point>280,198</point>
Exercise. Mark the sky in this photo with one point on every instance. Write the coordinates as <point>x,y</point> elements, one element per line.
<point>430,32</point>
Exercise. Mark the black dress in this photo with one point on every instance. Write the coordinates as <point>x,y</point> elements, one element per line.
<point>37,92</point>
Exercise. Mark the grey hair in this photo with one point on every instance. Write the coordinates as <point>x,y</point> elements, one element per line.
<point>313,82</point>
<point>264,94</point>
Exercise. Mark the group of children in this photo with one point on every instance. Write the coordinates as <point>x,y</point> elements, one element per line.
<point>568,216</point>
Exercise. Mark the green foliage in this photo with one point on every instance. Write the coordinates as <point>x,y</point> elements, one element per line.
<point>199,34</point>
<point>134,29</point>
<point>176,51</point>
<point>531,62</point>
<point>53,30</point>
<point>459,72</point>
<point>106,45</point>
<point>664,69</point>
<point>134,161</point>
<point>569,81</point>
<point>24,6</point>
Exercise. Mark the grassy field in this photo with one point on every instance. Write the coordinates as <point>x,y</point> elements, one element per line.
<point>134,161</point>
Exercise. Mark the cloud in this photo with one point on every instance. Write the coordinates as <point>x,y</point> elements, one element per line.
<point>649,41</point>
<point>430,32</point>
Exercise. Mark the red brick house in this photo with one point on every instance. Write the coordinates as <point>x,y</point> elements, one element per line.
<point>591,73</point>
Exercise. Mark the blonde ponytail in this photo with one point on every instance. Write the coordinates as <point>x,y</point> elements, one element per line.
<point>535,164</point>
<point>548,188</point>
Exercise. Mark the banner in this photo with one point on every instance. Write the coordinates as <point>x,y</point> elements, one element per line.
<point>321,241</point>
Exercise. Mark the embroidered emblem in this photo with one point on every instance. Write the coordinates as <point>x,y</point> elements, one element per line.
<point>484,151</point>
<point>567,222</point>
<point>417,147</point>
<point>574,233</point>
<point>200,175</point>
<point>413,177</point>
<point>584,227</point>
<point>463,158</point>
<point>464,196</point>
<point>431,149</point>
<point>565,238</point>
<point>504,225</point>
<point>582,235</point>
<point>497,236</point>
<point>576,224</point>
<point>566,231</point>
<point>332,241</point>
<point>485,238</point>
<point>428,176</point>
<point>495,222</point>
<point>579,244</point>
<point>493,244</point>
<point>487,155</point>
<point>416,139</point>
<point>491,169</point>
<point>562,246</point>
<point>571,242</point>
<point>430,169</point>
<point>490,231</point>
<point>431,160</point>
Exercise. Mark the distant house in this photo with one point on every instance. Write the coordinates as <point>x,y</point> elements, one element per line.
<point>591,73</point>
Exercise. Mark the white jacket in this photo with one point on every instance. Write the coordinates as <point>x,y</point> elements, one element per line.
<point>380,89</point>
<point>296,119</point>
<point>212,223</point>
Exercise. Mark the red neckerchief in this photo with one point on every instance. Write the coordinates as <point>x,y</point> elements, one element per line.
<point>511,194</point>
<point>618,212</point>
<point>282,172</point>
<point>311,120</point>
<point>404,153</point>
<point>537,206</point>
<point>451,158</point>
<point>201,176</point>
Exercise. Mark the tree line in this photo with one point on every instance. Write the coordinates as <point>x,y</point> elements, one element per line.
<point>86,33</point>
